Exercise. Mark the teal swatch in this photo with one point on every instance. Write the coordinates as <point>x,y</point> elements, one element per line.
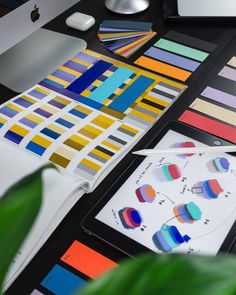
<point>181,49</point>
<point>111,84</point>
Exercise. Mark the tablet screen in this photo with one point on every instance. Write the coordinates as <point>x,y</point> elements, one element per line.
<point>176,203</point>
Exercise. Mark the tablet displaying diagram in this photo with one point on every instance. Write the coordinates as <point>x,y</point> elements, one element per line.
<point>176,203</point>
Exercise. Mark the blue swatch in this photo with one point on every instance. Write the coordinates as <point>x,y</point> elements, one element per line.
<point>60,281</point>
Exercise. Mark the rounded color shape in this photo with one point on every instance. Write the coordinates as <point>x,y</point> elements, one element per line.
<point>193,211</point>
<point>80,21</point>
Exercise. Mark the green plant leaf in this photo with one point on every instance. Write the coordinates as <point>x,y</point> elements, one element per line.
<point>152,274</point>
<point>19,207</point>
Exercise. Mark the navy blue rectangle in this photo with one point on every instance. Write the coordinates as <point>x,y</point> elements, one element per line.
<point>50,133</point>
<point>80,84</point>
<point>12,136</point>
<point>35,148</point>
<point>77,113</point>
<point>65,123</point>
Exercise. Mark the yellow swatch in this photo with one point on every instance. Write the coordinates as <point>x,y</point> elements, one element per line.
<point>214,111</point>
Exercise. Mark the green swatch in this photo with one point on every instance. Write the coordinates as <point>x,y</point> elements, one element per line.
<point>181,49</point>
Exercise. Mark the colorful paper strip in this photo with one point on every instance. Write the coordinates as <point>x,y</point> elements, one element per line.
<point>60,281</point>
<point>87,261</point>
<point>209,125</point>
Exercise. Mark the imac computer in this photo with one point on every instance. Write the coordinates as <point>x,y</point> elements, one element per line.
<point>27,52</point>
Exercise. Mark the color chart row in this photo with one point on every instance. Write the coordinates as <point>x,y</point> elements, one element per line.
<point>86,113</point>
<point>214,111</point>
<point>176,55</point>
<point>86,264</point>
<point>56,129</point>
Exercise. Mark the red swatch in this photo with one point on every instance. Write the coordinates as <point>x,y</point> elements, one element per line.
<point>86,260</point>
<point>211,126</point>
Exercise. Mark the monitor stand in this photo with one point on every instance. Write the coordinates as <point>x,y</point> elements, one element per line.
<point>28,62</point>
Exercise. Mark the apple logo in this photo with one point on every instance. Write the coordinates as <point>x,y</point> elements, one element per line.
<point>35,14</point>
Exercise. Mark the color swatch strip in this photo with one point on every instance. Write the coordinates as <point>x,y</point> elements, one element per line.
<point>60,281</point>
<point>86,263</point>
<point>176,55</point>
<point>124,37</point>
<point>215,109</point>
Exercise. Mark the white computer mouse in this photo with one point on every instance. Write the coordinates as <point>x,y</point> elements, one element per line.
<point>80,21</point>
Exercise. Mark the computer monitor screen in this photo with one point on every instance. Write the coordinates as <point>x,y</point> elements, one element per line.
<point>20,18</point>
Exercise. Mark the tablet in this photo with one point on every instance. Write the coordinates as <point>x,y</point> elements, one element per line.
<point>171,203</point>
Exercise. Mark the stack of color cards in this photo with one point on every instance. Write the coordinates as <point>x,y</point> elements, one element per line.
<point>214,110</point>
<point>176,55</point>
<point>124,37</point>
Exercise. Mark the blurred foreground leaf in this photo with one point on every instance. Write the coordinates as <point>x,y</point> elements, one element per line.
<point>19,207</point>
<point>152,274</point>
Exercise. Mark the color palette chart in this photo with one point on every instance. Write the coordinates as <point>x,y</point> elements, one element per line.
<point>214,111</point>
<point>124,37</point>
<point>77,265</point>
<point>176,55</point>
<point>87,112</point>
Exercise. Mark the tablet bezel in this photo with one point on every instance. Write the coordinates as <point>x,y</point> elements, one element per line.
<point>94,227</point>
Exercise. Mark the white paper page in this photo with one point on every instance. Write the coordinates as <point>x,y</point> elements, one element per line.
<point>16,164</point>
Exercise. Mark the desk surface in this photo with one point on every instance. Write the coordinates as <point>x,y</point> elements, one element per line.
<point>69,229</point>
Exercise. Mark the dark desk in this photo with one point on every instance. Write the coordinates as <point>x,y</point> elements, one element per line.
<point>69,229</point>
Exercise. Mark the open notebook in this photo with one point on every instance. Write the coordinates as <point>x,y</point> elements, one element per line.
<point>84,118</point>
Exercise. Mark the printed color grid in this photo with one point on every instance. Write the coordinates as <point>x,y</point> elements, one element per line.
<point>83,115</point>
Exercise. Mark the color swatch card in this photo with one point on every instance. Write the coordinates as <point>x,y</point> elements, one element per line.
<point>176,55</point>
<point>86,264</point>
<point>124,37</point>
<point>214,111</point>
<point>87,113</point>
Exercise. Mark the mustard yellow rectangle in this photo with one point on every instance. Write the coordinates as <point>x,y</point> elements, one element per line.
<point>142,116</point>
<point>41,141</point>
<point>83,110</point>
<point>90,164</point>
<point>2,120</point>
<point>62,100</point>
<point>101,154</point>
<point>58,80</point>
<point>128,128</point>
<point>79,140</point>
<point>13,107</point>
<point>19,130</point>
<point>42,90</point>
<point>70,71</point>
<point>110,145</point>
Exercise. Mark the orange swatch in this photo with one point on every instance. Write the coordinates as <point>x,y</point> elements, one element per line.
<point>87,260</point>
<point>163,68</point>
